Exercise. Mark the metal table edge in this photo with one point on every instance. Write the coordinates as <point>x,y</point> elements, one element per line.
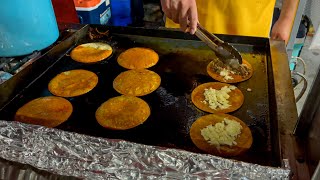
<point>287,115</point>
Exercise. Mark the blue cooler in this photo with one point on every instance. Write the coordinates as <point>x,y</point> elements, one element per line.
<point>93,11</point>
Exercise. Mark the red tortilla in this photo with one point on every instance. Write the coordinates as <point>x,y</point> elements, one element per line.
<point>122,112</point>
<point>236,98</point>
<point>244,140</point>
<point>236,78</point>
<point>48,111</point>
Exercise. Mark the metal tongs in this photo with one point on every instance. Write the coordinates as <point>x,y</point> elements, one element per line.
<point>224,51</point>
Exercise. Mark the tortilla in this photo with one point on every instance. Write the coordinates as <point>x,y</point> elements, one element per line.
<point>138,58</point>
<point>122,112</point>
<point>236,98</point>
<point>91,52</point>
<point>73,83</point>
<point>244,140</point>
<point>236,77</point>
<point>137,82</point>
<point>45,111</point>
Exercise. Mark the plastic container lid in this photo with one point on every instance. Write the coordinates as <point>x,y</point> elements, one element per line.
<point>86,3</point>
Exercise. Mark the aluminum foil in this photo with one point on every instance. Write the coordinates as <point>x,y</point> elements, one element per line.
<point>86,157</point>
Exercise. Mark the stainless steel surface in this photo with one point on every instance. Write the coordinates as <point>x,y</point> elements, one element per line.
<point>224,51</point>
<point>13,65</point>
<point>291,146</point>
<point>287,111</point>
<point>27,61</point>
<point>86,157</point>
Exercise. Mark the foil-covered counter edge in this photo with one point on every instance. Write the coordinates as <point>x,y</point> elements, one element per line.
<point>82,156</point>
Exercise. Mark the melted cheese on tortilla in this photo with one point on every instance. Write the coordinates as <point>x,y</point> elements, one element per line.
<point>222,133</point>
<point>225,73</point>
<point>218,99</point>
<point>100,46</point>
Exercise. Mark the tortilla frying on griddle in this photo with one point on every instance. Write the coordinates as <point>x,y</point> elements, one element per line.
<point>136,82</point>
<point>91,52</point>
<point>225,135</point>
<point>48,111</point>
<point>122,112</point>
<point>73,83</point>
<point>216,97</point>
<point>138,58</point>
<point>223,73</point>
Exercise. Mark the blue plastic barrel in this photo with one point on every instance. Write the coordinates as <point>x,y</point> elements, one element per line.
<point>121,12</point>
<point>26,26</point>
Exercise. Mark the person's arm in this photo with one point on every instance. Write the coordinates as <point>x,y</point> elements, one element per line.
<point>183,12</point>
<point>282,28</point>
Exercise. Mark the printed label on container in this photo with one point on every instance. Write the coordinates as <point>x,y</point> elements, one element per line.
<point>105,16</point>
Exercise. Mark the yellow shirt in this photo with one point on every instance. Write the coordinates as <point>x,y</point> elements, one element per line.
<point>236,17</point>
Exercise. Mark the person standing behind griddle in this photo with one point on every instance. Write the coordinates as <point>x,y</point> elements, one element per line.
<point>235,17</point>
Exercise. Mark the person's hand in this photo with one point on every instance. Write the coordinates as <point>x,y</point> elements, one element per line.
<point>183,12</point>
<point>281,30</point>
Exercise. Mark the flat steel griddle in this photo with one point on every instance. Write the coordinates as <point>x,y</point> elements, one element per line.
<point>182,66</point>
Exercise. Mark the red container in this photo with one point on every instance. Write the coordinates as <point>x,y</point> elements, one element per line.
<point>65,11</point>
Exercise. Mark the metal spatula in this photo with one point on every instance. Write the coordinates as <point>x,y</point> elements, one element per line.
<point>224,51</point>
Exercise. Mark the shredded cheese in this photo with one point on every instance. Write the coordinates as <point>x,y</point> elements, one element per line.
<point>225,73</point>
<point>98,45</point>
<point>218,99</point>
<point>222,133</point>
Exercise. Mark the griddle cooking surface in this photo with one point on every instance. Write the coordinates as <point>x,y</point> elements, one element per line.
<point>182,66</point>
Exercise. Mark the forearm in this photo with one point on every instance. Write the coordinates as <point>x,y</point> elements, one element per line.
<point>288,10</point>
